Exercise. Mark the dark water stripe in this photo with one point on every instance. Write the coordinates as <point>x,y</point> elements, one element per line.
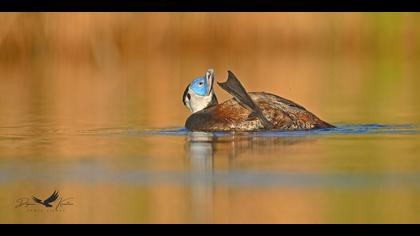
<point>234,178</point>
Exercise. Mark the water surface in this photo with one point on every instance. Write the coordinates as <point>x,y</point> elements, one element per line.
<point>172,175</point>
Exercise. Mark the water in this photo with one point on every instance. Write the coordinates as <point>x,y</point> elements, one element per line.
<point>172,175</point>
<point>90,106</point>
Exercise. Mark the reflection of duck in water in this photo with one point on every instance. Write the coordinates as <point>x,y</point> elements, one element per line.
<point>202,147</point>
<point>246,111</point>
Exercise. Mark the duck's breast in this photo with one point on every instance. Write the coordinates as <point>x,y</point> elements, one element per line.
<point>227,116</point>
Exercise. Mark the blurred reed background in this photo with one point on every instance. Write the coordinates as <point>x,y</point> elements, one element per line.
<point>131,68</point>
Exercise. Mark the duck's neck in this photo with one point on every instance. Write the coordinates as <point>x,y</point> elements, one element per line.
<point>203,103</point>
<point>213,101</point>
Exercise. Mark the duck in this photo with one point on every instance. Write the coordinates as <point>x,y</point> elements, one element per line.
<point>246,111</point>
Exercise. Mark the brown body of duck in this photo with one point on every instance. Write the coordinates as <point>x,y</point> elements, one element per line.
<point>232,116</point>
<point>253,111</point>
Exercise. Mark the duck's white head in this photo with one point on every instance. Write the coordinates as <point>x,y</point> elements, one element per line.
<point>199,94</point>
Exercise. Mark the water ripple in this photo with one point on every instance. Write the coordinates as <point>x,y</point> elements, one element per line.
<point>344,129</point>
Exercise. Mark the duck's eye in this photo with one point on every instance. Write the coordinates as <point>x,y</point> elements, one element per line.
<point>201,84</point>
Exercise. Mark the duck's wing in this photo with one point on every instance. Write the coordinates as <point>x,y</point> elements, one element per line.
<point>290,103</point>
<point>235,88</point>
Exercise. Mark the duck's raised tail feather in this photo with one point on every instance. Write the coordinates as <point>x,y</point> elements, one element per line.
<point>235,88</point>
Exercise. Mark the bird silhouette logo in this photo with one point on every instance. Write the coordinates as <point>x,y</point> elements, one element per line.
<point>47,202</point>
